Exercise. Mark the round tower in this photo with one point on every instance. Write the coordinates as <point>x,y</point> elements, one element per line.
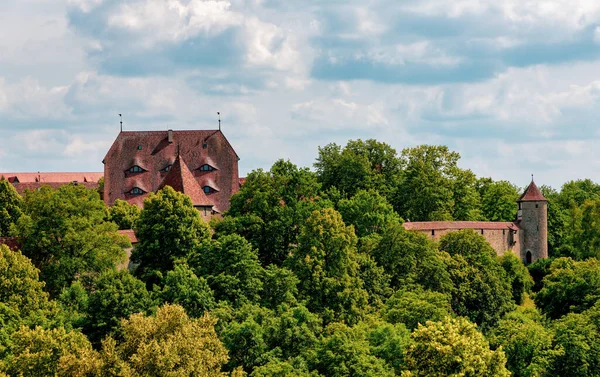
<point>532,219</point>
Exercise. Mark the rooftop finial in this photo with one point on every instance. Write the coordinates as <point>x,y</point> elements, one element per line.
<point>532,177</point>
<point>121,117</point>
<point>219,115</point>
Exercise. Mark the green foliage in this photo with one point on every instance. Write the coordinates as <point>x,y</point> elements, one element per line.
<point>518,275</point>
<point>114,295</point>
<point>570,287</point>
<point>368,212</point>
<point>526,342</point>
<point>231,267</point>
<point>417,306</point>
<point>453,347</point>
<point>498,200</point>
<point>326,264</point>
<point>182,287</point>
<point>169,228</point>
<point>481,291</point>
<point>411,258</point>
<point>123,214</point>
<point>65,235</point>
<point>280,286</point>
<point>10,207</point>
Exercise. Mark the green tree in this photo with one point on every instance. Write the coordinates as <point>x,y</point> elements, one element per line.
<point>169,228</point>
<point>575,193</point>
<point>570,287</point>
<point>10,207</point>
<point>65,235</point>
<point>123,214</point>
<point>417,306</point>
<point>182,287</point>
<point>326,264</point>
<point>368,212</point>
<point>453,347</point>
<point>482,292</point>
<point>526,342</point>
<point>518,275</point>
<point>411,258</point>
<point>115,295</point>
<point>359,165</point>
<point>498,200</point>
<point>466,198</point>
<point>280,286</point>
<point>231,267</point>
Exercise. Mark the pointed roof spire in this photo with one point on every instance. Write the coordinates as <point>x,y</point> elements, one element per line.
<point>181,179</point>
<point>532,193</point>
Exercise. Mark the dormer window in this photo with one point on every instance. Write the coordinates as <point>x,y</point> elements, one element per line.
<point>135,169</point>
<point>206,167</point>
<point>166,168</point>
<point>208,190</point>
<point>136,191</point>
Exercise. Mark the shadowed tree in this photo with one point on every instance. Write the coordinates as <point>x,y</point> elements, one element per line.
<point>10,207</point>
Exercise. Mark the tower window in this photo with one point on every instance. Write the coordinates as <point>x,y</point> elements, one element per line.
<point>136,191</point>
<point>206,167</point>
<point>536,206</point>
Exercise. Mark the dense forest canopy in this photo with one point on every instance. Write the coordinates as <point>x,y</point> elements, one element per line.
<point>310,273</point>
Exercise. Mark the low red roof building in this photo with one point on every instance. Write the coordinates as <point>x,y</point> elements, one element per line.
<point>201,164</point>
<point>33,181</point>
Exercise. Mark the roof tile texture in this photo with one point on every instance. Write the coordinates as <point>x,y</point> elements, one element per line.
<point>181,179</point>
<point>532,194</point>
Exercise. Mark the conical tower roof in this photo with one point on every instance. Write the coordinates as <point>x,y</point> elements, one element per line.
<point>532,194</point>
<point>181,179</point>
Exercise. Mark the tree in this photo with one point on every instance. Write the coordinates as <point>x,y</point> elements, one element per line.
<point>570,287</point>
<point>115,295</point>
<point>40,352</point>
<point>325,261</point>
<point>417,306</point>
<point>123,214</point>
<point>230,266</point>
<point>498,200</point>
<point>10,207</point>
<point>482,291</point>
<point>182,287</point>
<point>518,275</point>
<point>426,190</point>
<point>169,228</point>
<point>171,344</point>
<point>526,342</point>
<point>280,286</point>
<point>411,258</point>
<point>368,212</point>
<point>65,235</point>
<point>453,347</point>
<point>575,193</point>
<point>359,165</point>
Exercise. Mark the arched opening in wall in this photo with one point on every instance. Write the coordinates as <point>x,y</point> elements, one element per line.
<point>528,257</point>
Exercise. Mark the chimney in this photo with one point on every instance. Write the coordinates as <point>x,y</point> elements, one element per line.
<point>170,136</point>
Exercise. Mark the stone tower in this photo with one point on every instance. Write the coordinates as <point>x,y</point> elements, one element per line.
<point>532,219</point>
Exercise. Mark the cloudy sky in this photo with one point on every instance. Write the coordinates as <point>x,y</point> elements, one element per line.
<point>512,85</point>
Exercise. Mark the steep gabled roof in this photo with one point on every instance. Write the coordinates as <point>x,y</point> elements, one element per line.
<point>532,194</point>
<point>181,179</point>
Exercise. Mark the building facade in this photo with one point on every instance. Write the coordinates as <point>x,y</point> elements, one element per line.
<point>526,237</point>
<point>201,164</point>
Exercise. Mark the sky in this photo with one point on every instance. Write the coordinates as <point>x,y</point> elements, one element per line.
<point>513,85</point>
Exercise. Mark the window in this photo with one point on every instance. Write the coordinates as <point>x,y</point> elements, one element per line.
<point>208,190</point>
<point>167,168</point>
<point>204,145</point>
<point>136,191</point>
<point>433,232</point>
<point>528,257</point>
<point>135,169</point>
<point>206,167</point>
<point>537,206</point>
<point>139,147</point>
<point>481,231</point>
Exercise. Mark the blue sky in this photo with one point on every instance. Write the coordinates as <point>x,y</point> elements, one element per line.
<point>513,85</point>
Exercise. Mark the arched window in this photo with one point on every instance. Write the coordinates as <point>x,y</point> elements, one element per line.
<point>135,169</point>
<point>528,257</point>
<point>206,167</point>
<point>136,191</point>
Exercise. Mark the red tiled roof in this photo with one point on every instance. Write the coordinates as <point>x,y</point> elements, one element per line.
<point>242,180</point>
<point>129,233</point>
<point>32,186</point>
<point>457,225</point>
<point>181,179</point>
<point>532,194</point>
<point>152,151</point>
<point>13,243</point>
<point>63,177</point>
